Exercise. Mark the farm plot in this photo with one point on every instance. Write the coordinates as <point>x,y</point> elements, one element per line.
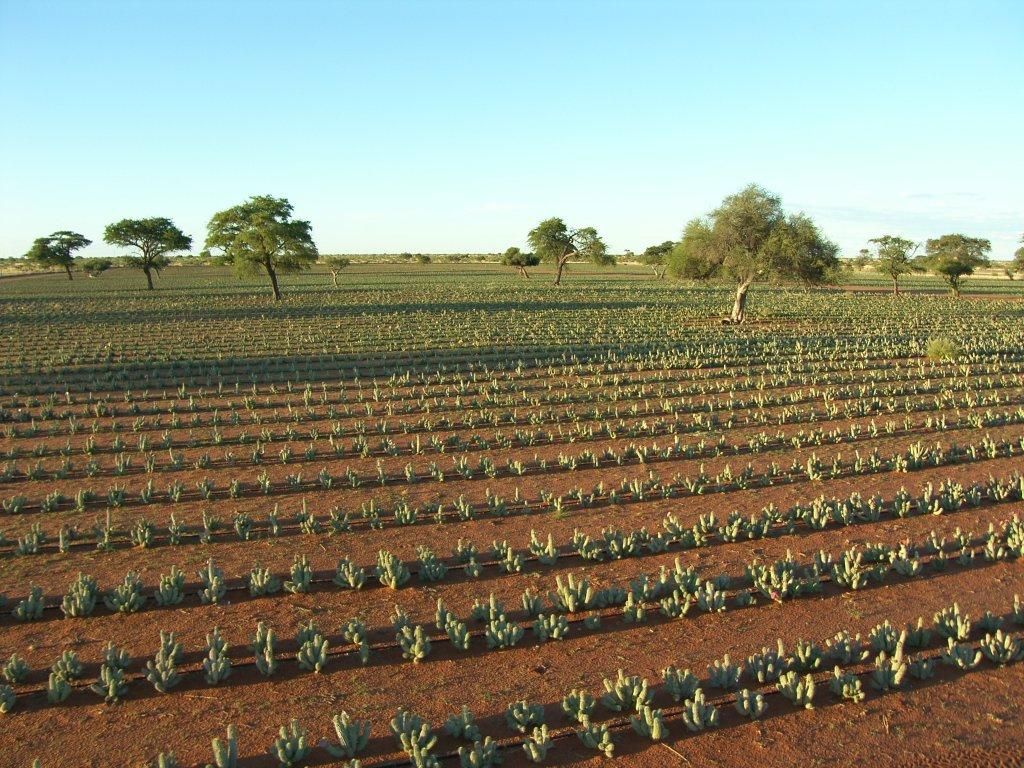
<point>416,523</point>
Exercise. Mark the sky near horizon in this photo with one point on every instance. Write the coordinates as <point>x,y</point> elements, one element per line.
<point>457,126</point>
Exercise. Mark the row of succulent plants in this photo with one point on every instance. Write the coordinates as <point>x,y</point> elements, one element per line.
<point>672,592</point>
<point>419,342</point>
<point>489,386</point>
<point>673,401</point>
<point>916,457</point>
<point>761,408</point>
<point>816,515</point>
<point>123,460</point>
<point>888,661</point>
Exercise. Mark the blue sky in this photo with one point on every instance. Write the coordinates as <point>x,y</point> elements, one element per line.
<point>456,126</point>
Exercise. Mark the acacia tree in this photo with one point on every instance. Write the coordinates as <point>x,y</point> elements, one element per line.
<point>57,250</point>
<point>1017,265</point>
<point>748,238</point>
<point>261,235</point>
<point>954,257</point>
<point>895,258</point>
<point>336,264</point>
<point>554,242</point>
<point>154,238</point>
<point>97,266</point>
<point>655,257</point>
<point>513,257</point>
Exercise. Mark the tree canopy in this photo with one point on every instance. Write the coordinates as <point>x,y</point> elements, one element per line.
<point>336,264</point>
<point>154,238</point>
<point>96,266</point>
<point>1018,258</point>
<point>554,242</point>
<point>749,238</point>
<point>513,257</point>
<point>954,257</point>
<point>260,235</point>
<point>895,258</point>
<point>57,250</point>
<point>655,257</point>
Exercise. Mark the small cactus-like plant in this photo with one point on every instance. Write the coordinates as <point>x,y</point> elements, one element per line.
<point>961,655</point>
<point>845,685</point>
<point>624,694</point>
<point>162,671</point>
<point>225,753</point>
<point>391,571</point>
<point>596,736</point>
<point>481,754</point>
<point>458,634</point>
<point>263,646</point>
<point>846,649</point>
<point>680,684</point>
<point>414,642</point>
<point>889,670</point>
<point>502,633</point>
<point>262,582</point>
<point>521,715</point>
<point>349,575</point>
<point>461,725</point>
<point>312,655</point>
<point>217,664</point>
<point>127,596</point>
<point>68,666</point>
<point>750,704</point>
<point>291,746</point>
<point>15,670</point>
<point>81,597</point>
<point>578,704</point>
<point>922,668</point>
<point>171,589</point>
<point>951,624</point>
<point>550,627</point>
<point>697,714</point>
<point>767,665</point>
<point>799,691</point>
<point>724,674</point>
<point>649,723</point>
<point>7,699</point>
<point>57,688</point>
<point>214,586</point>
<point>354,631</point>
<point>806,656</point>
<point>301,576</point>
<point>31,608</point>
<point>1002,648</point>
<point>112,685</point>
<point>353,736</point>
<point>884,637</point>
<point>537,744</point>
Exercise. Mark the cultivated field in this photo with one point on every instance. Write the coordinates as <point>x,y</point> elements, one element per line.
<point>591,518</point>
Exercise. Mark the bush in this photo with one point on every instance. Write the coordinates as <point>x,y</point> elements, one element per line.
<point>941,349</point>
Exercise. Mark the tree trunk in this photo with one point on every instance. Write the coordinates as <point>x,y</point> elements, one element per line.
<point>661,275</point>
<point>68,268</point>
<point>739,306</point>
<point>273,281</point>
<point>895,286</point>
<point>335,276</point>
<point>561,265</point>
<point>524,273</point>
<point>149,277</point>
